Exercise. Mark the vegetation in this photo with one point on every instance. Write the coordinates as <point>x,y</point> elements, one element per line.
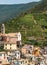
<point>12,11</point>
<point>29,25</point>
<point>32,24</point>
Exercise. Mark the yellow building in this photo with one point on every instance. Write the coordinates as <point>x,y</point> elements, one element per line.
<point>36,51</point>
<point>10,46</point>
<point>12,41</point>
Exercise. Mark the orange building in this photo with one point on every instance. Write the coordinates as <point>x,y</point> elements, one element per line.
<point>36,51</point>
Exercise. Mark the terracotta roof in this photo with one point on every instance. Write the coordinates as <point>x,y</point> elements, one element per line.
<point>27,46</point>
<point>9,34</point>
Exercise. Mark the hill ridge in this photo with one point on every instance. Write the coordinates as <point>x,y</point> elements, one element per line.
<point>10,11</point>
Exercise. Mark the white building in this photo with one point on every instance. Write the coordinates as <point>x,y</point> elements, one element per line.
<point>45,56</point>
<point>42,62</point>
<point>3,55</point>
<point>12,41</point>
<point>21,62</point>
<point>16,54</point>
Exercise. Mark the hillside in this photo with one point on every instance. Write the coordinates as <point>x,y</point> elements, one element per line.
<point>11,11</point>
<point>42,6</point>
<point>32,25</point>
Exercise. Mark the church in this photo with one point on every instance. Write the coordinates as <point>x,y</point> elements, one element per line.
<point>11,41</point>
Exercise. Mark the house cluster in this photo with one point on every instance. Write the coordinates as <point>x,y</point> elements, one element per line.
<point>16,54</point>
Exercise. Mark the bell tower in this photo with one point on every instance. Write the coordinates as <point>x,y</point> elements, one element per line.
<point>3,29</point>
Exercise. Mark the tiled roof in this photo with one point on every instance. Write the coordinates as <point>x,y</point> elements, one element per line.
<point>27,46</point>
<point>9,34</point>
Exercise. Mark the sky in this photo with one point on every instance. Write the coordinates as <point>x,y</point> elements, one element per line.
<point>16,1</point>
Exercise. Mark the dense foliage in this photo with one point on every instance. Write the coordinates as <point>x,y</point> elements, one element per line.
<point>30,25</point>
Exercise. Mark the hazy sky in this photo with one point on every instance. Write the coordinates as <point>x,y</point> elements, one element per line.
<point>15,1</point>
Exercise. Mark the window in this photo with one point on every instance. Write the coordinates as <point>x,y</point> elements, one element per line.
<point>10,44</point>
<point>18,53</point>
<point>10,47</point>
<point>28,51</point>
<point>5,47</point>
<point>18,43</point>
<point>31,59</point>
<point>0,62</point>
<point>21,62</point>
<point>10,51</point>
<point>26,62</point>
